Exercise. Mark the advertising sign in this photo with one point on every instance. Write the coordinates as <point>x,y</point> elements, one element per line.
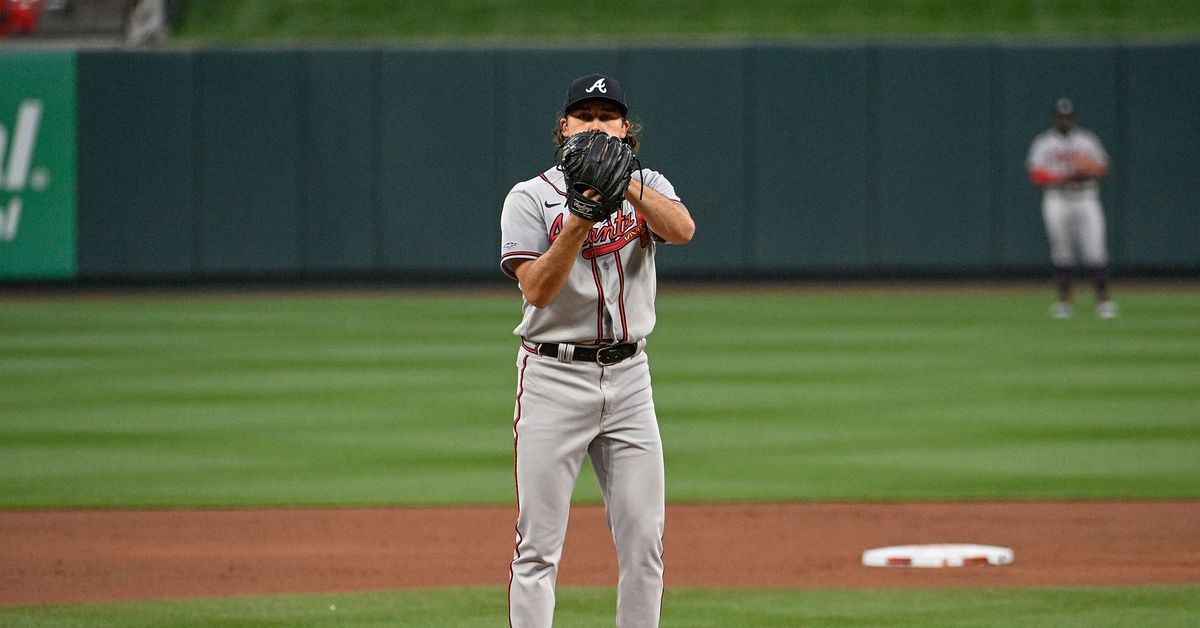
<point>37,165</point>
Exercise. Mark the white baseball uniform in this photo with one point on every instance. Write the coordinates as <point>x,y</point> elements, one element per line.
<point>567,407</point>
<point>1071,210</point>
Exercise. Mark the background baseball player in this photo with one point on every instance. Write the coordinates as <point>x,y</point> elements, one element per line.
<point>1068,162</point>
<point>586,271</point>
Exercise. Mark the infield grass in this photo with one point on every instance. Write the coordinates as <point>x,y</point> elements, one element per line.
<point>539,21</point>
<point>1160,606</point>
<point>406,398</point>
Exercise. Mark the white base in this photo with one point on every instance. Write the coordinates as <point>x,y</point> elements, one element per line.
<point>937,555</point>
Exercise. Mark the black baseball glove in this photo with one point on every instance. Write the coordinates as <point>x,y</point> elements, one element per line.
<point>595,161</point>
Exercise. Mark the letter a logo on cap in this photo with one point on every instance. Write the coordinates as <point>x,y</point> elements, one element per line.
<point>598,85</point>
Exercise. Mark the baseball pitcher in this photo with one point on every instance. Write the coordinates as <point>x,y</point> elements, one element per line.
<point>580,240</point>
<point>1068,162</point>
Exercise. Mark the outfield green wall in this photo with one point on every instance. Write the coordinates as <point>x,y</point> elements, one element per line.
<point>794,158</point>
<point>138,149</point>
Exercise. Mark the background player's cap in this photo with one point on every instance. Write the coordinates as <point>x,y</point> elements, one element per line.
<point>595,87</point>
<point>1064,107</point>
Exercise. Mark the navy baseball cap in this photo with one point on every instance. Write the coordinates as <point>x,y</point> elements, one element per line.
<point>1064,107</point>
<point>595,87</point>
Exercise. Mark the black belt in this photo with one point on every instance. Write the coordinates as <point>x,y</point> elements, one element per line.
<point>604,356</point>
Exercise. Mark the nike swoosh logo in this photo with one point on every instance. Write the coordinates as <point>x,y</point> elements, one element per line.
<point>549,204</point>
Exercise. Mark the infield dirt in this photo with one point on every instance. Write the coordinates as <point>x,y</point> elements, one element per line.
<point>53,557</point>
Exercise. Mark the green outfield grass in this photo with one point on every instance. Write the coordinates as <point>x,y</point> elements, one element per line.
<point>542,20</point>
<point>406,398</point>
<point>1160,606</point>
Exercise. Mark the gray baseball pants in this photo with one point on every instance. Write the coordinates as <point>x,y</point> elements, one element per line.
<point>1075,228</point>
<point>564,411</point>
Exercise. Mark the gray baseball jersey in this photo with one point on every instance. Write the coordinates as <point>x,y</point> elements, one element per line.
<point>609,295</point>
<point>1057,153</point>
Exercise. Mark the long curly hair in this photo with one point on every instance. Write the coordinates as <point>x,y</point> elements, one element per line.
<point>631,136</point>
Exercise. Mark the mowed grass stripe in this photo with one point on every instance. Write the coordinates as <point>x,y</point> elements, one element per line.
<point>479,607</point>
<point>930,397</point>
<point>235,20</point>
<point>407,398</point>
<point>256,400</point>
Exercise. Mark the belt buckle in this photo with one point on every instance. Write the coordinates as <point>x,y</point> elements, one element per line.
<point>602,361</point>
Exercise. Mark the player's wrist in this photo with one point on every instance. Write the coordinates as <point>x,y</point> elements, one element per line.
<point>576,223</point>
<point>634,190</point>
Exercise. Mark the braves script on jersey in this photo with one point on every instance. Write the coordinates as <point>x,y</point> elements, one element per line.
<point>609,296</point>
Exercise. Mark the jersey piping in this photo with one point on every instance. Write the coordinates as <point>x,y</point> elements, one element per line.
<point>621,297</point>
<point>599,302</point>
